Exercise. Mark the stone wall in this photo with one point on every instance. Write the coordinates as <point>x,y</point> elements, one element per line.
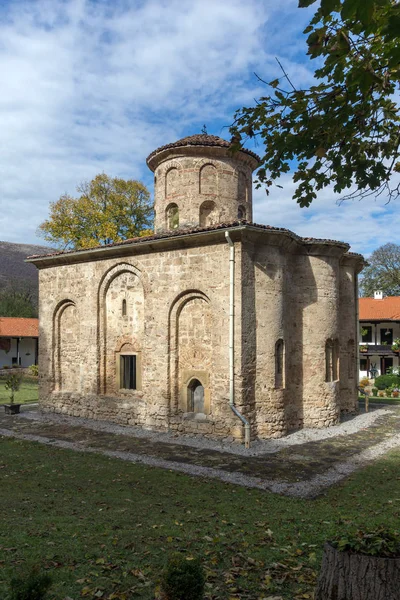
<point>176,318</point>
<point>207,190</point>
<point>169,306</point>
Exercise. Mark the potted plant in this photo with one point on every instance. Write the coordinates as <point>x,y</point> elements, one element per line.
<point>368,562</point>
<point>12,384</point>
<point>396,345</point>
<point>363,348</point>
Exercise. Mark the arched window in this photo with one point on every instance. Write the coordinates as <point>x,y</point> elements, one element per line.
<point>124,307</point>
<point>279,364</point>
<point>351,359</point>
<point>331,360</point>
<point>241,212</point>
<point>172,216</point>
<point>208,213</point>
<point>195,397</point>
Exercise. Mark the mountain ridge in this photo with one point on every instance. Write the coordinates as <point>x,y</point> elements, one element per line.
<point>13,269</point>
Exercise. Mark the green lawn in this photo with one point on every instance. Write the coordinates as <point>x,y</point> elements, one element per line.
<point>28,392</point>
<point>103,527</point>
<point>379,400</point>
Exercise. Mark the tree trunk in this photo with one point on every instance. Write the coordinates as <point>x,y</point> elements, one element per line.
<point>346,576</point>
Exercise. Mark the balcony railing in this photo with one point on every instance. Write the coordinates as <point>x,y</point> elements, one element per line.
<point>377,349</point>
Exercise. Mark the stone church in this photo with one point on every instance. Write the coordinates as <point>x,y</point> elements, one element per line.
<point>213,325</point>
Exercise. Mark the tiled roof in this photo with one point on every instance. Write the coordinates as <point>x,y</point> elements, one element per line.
<point>18,327</point>
<point>387,309</point>
<point>188,232</point>
<point>201,139</point>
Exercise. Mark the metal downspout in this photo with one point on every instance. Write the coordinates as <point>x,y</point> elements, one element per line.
<point>232,340</point>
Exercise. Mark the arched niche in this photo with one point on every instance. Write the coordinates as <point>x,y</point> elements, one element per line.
<point>66,343</point>
<point>172,182</point>
<point>243,187</point>
<point>190,348</point>
<point>121,283</point>
<point>208,180</point>
<point>208,213</point>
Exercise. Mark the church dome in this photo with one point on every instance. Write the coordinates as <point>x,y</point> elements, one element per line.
<point>199,139</point>
<point>198,181</point>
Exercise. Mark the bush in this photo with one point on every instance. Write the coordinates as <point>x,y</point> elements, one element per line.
<point>385,381</point>
<point>381,542</point>
<point>388,393</point>
<point>182,579</point>
<point>364,382</point>
<point>34,370</point>
<point>33,586</point>
<point>374,391</point>
<point>381,394</point>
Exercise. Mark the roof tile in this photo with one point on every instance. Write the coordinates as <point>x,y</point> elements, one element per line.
<point>182,232</point>
<point>387,309</point>
<point>201,139</point>
<point>18,327</point>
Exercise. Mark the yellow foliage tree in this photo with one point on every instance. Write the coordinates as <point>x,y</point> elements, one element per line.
<point>108,210</point>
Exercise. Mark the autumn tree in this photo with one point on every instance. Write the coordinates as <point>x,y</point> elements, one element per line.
<point>383,272</point>
<point>108,209</point>
<point>344,130</point>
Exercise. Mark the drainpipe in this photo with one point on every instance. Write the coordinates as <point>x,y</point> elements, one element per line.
<point>232,340</point>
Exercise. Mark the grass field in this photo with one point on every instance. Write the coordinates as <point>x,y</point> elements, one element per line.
<point>28,392</point>
<point>379,400</point>
<point>103,528</point>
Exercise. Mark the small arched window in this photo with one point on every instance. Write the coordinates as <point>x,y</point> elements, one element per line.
<point>208,213</point>
<point>195,397</point>
<point>280,364</point>
<point>124,307</point>
<point>172,215</point>
<point>241,212</point>
<point>331,360</point>
<point>351,359</point>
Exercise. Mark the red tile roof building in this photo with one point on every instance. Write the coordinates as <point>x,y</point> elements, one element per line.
<point>387,309</point>
<point>18,327</point>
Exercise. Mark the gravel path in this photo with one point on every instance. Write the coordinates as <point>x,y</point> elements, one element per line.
<point>302,464</point>
<point>349,425</point>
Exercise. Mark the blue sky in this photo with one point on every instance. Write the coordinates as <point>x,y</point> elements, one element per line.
<point>95,86</point>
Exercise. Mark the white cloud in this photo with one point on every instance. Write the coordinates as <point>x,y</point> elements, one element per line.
<point>364,224</point>
<point>92,86</point>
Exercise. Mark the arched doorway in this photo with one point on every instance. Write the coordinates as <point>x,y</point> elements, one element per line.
<point>195,397</point>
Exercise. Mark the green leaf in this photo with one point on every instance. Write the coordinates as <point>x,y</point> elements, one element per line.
<point>305,3</point>
<point>328,6</point>
<point>349,9</point>
<point>365,11</point>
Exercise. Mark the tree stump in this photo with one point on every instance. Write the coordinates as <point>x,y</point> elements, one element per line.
<point>347,576</point>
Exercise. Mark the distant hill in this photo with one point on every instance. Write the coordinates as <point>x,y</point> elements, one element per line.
<point>14,270</point>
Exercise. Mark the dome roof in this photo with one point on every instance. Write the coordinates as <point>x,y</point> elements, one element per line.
<point>201,139</point>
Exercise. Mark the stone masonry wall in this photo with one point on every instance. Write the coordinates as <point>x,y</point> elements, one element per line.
<point>177,307</point>
<point>206,190</point>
